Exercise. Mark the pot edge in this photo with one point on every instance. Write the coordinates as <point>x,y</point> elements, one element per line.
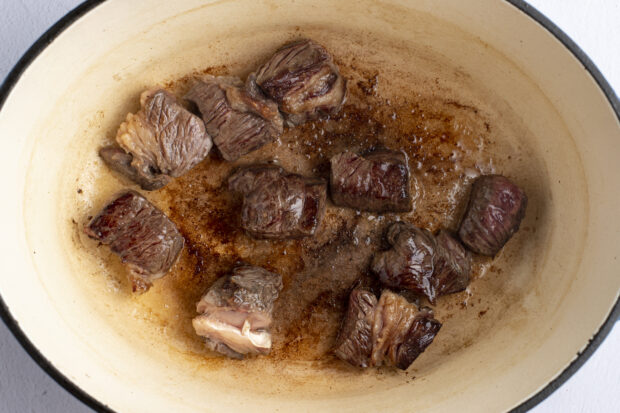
<point>88,5</point>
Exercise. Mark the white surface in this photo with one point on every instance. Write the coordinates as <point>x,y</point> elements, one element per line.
<point>593,24</point>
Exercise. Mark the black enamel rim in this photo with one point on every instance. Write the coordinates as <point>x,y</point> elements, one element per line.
<point>98,406</point>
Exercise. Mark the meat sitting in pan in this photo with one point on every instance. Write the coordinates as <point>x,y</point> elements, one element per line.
<point>494,213</point>
<point>162,140</point>
<point>235,314</point>
<point>409,264</point>
<point>389,332</point>
<point>239,119</point>
<point>354,343</point>
<point>299,83</point>
<point>452,265</point>
<point>303,80</point>
<point>278,204</point>
<point>377,182</point>
<point>143,236</point>
<point>418,261</point>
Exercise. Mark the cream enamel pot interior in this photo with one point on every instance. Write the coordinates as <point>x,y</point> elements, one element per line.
<point>68,96</point>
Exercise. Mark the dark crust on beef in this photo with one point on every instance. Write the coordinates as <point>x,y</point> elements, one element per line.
<point>354,343</point>
<point>452,264</point>
<point>420,335</point>
<point>140,234</point>
<point>303,79</point>
<point>378,181</point>
<point>390,331</point>
<point>410,263</point>
<point>420,262</point>
<point>278,204</point>
<point>494,213</point>
<point>239,118</point>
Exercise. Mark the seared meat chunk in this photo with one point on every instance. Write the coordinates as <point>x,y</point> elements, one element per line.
<point>376,182</point>
<point>355,339</point>
<point>494,213</point>
<point>303,80</point>
<point>278,204</point>
<point>235,314</point>
<point>410,263</point>
<point>389,332</point>
<point>143,236</point>
<point>162,140</point>
<point>400,332</point>
<point>452,265</point>
<point>239,119</point>
<point>120,161</point>
<point>422,263</point>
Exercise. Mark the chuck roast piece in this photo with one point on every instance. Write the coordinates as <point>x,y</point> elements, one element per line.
<point>235,314</point>
<point>143,236</point>
<point>377,182</point>
<point>452,265</point>
<point>162,140</point>
<point>390,332</point>
<point>420,262</point>
<point>401,333</point>
<point>355,339</point>
<point>239,119</point>
<point>120,161</point>
<point>304,81</point>
<point>496,208</point>
<point>278,204</point>
<point>410,263</point>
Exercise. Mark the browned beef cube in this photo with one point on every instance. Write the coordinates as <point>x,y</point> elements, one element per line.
<point>420,262</point>
<point>278,204</point>
<point>410,263</point>
<point>401,332</point>
<point>452,265</point>
<point>143,236</point>
<point>303,80</point>
<point>239,119</point>
<point>162,140</point>
<point>355,339</point>
<point>389,332</point>
<point>420,335</point>
<point>120,161</point>
<point>494,213</point>
<point>376,182</point>
<point>236,312</point>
